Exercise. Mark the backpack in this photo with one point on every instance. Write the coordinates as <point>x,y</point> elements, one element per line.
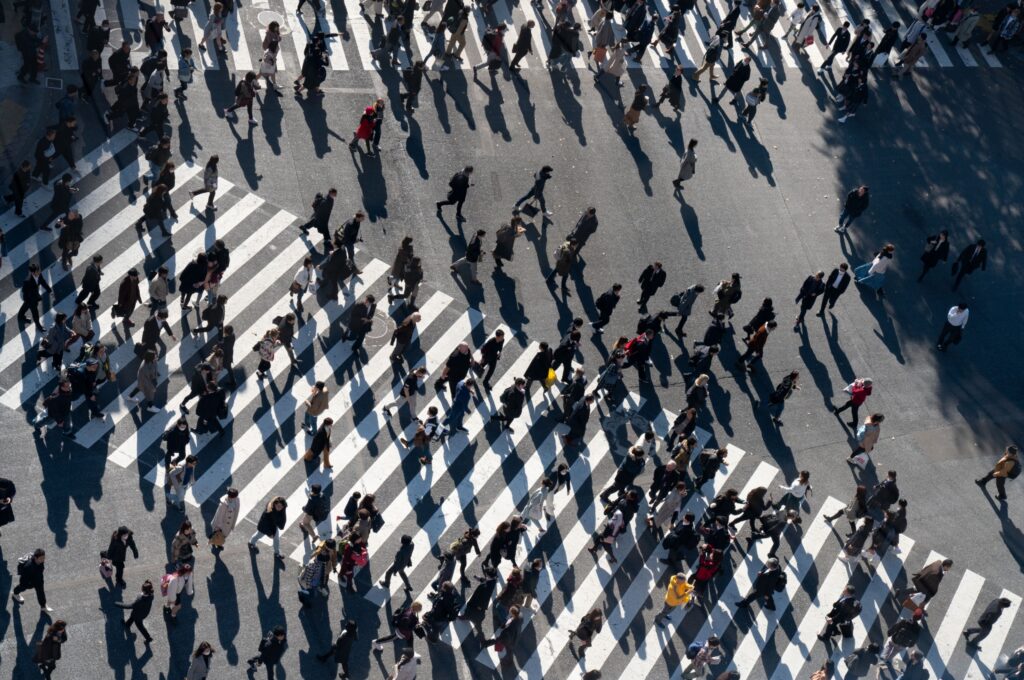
<point>23,563</point>
<point>1014,472</point>
<point>318,200</point>
<point>693,649</point>
<point>456,546</point>
<point>165,584</point>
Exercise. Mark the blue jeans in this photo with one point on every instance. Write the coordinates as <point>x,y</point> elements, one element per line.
<point>846,219</point>
<point>310,421</point>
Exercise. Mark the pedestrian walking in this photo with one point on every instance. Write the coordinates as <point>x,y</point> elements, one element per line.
<point>971,259</point>
<point>270,651</point>
<point>31,296</point>
<point>320,447</point>
<point>910,56</point>
<point>872,274</point>
<point>48,650</point>
<point>1007,467</point>
<point>401,562</point>
<point>953,328</point>
<point>121,541</point>
<point>813,286</point>
<point>341,650</point>
<point>867,436</point>
<point>752,99</point>
<point>964,30</point>
<point>202,658</point>
<point>701,655</point>
<point>679,592</point>
<point>404,623</point>
<point>902,635</point>
<point>225,518</point>
<point>839,43</point>
<point>936,249</point>
<point>783,391</point>
<point>735,82</point>
<point>763,21</point>
<point>209,183</point>
<point>986,621</point>
<point>835,285</point>
<point>271,524</point>
<point>856,203</point>
<point>755,346</point>
<point>591,624</point>
<point>639,104</point>
<point>651,279</point>
<point>179,479</point>
<point>140,608</point>
<point>712,53</point>
<point>30,577</point>
<point>458,188</point>
<point>769,580</point>
<point>928,579</point>
<point>859,391</point>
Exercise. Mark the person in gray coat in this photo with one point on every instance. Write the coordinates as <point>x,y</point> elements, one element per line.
<point>684,305</point>
<point>148,380</point>
<point>507,635</point>
<point>688,165</point>
<point>764,25</point>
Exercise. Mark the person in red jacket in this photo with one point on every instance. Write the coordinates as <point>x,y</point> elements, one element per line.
<point>859,390</point>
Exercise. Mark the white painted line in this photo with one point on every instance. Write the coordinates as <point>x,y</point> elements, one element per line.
<point>64,35</point>
<point>874,596</point>
<point>991,59</point>
<point>966,56</point>
<point>334,46</point>
<point>945,640</point>
<point>419,35</point>
<point>298,32</point>
<point>254,492</point>
<point>39,199</point>
<point>541,39</point>
<point>984,659</point>
<point>94,242</point>
<point>113,272</point>
<point>580,474</point>
<point>361,34</point>
<point>238,48</point>
<point>151,430</point>
<point>591,588</point>
<point>644,587</point>
<point>391,458</point>
<point>174,360</point>
<point>748,652</point>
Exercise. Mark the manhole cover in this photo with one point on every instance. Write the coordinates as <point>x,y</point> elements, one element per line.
<point>383,328</point>
<point>267,17</point>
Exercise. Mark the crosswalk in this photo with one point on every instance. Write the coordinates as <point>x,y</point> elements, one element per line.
<point>352,49</point>
<point>477,478</point>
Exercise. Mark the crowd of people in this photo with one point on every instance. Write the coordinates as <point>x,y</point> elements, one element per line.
<point>673,470</point>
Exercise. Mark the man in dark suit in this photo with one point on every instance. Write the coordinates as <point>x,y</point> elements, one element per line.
<point>489,355</point>
<point>835,285</point>
<point>813,286</point>
<point>987,619</point>
<point>843,612</point>
<point>974,256</point>
<point>928,579</point>
<point>90,288</point>
<point>764,585</point>
<point>360,321</point>
<point>651,279</point>
<point>605,306</point>
<point>321,218</point>
<point>458,186</point>
<point>30,295</point>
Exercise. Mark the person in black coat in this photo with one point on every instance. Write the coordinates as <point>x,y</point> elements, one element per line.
<point>573,393</point>
<point>987,619</point>
<point>835,285</point>
<point>211,408</point>
<point>936,249</point>
<point>479,601</point>
<point>577,420</point>
<point>456,368</point>
<point>843,612</point>
<point>539,366</point>
<point>341,650</point>
<point>271,650</point>
<point>971,258</point>
<point>735,82</point>
<point>402,561</point>
<point>360,321</point>
<point>812,287</point>
<point>21,180</point>
<point>121,541</point>
<point>888,40</point>
<point>7,491</point>
<point>139,608</point>
<point>322,208</point>
<point>45,153</point>
<point>458,187</point>
<point>271,524</point>
<point>651,279</point>
<point>764,585</point>
<point>857,202</point>
<point>489,355</point>
<point>564,354</point>
<point>30,295</point>
<point>30,577</point>
<point>513,399</point>
<point>839,42</point>
<point>605,306</point>
<point>885,493</point>
<point>586,226</point>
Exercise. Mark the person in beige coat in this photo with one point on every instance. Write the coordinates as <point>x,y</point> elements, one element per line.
<point>1004,467</point>
<point>910,56</point>
<point>225,518</point>
<point>148,380</point>
<point>965,29</point>
<point>316,404</point>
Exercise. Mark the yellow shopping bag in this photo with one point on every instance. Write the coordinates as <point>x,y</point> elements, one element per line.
<point>550,380</point>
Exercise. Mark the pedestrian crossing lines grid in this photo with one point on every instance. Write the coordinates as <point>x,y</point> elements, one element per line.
<point>478,478</point>
<point>359,35</point>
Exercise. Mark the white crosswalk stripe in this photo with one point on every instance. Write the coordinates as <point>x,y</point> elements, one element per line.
<point>479,478</point>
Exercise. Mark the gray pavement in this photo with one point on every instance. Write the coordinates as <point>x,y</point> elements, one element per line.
<point>937,153</point>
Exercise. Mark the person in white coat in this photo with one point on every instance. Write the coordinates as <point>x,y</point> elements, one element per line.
<point>541,504</point>
<point>225,518</point>
<point>796,17</point>
<point>808,28</point>
<point>303,282</point>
